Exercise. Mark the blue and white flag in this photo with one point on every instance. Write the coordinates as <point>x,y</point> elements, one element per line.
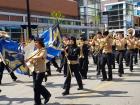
<point>53,42</point>
<point>13,57</point>
<point>10,45</point>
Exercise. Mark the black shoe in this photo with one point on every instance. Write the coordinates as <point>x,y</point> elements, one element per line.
<point>113,67</point>
<point>14,79</point>
<point>109,79</point>
<point>46,100</point>
<point>80,88</point>
<point>38,104</point>
<point>49,73</point>
<point>64,87</point>
<point>0,90</point>
<point>98,73</point>
<point>65,93</point>
<point>103,79</point>
<point>131,70</point>
<point>58,70</point>
<point>65,75</point>
<point>127,65</point>
<point>45,78</point>
<point>120,75</point>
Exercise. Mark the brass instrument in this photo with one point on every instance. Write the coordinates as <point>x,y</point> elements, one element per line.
<point>130,31</point>
<point>81,49</point>
<point>68,62</point>
<point>29,62</point>
<point>98,49</point>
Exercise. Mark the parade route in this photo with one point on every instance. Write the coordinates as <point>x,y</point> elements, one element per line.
<point>121,91</point>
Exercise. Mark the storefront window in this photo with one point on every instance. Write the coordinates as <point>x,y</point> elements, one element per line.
<point>16,33</point>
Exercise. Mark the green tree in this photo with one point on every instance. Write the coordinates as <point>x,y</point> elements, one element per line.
<point>58,17</point>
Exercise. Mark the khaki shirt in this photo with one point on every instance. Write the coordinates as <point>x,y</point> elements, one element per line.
<point>130,44</point>
<point>97,44</point>
<point>137,44</point>
<point>120,44</point>
<point>107,45</point>
<point>39,61</point>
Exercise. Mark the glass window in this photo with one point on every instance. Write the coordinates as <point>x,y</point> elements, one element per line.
<point>91,11</point>
<point>33,19</point>
<point>82,9</point>
<point>114,23</point>
<point>43,20</point>
<point>112,7</point>
<point>120,11</point>
<point>7,29</point>
<point>130,1</point>
<point>138,12</point>
<point>120,17</point>
<point>15,29</point>
<point>109,7</point>
<point>113,27</point>
<point>121,23</point>
<point>4,17</point>
<point>16,33</point>
<point>50,21</point>
<point>114,18</point>
<point>113,12</point>
<point>120,6</point>
<point>129,6</point>
<point>16,18</point>
<point>121,27</point>
<point>81,2</point>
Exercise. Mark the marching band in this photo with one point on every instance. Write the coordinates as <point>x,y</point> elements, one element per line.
<point>105,50</point>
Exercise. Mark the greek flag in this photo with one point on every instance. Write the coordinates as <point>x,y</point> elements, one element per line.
<point>52,40</point>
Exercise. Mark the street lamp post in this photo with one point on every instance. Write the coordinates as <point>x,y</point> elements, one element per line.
<point>28,18</point>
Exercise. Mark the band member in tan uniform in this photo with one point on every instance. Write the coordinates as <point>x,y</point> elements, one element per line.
<point>120,43</point>
<point>130,40</point>
<point>136,49</point>
<point>107,42</point>
<point>97,51</point>
<point>39,73</point>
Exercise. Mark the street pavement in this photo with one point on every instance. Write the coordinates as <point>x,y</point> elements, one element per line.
<point>121,91</point>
